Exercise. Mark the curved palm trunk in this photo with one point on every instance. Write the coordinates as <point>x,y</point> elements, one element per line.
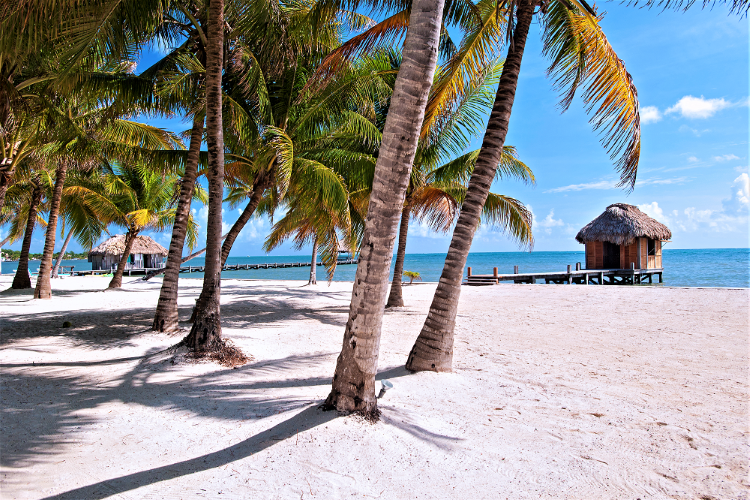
<point>206,332</point>
<point>60,255</point>
<point>433,349</point>
<point>21,279</point>
<point>395,298</point>
<point>116,281</point>
<point>166,318</point>
<point>353,387</point>
<point>314,264</point>
<point>243,219</point>
<point>43,288</point>
<point>229,238</point>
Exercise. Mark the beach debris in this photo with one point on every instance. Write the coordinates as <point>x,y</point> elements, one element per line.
<point>67,324</point>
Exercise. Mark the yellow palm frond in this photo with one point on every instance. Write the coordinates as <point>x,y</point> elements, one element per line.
<point>582,56</point>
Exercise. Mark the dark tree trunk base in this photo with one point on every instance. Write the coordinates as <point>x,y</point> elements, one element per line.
<point>371,417</point>
<point>224,352</point>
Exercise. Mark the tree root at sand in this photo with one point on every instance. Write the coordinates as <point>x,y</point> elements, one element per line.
<point>225,353</point>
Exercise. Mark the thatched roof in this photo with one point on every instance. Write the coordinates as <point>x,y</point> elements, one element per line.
<point>621,224</point>
<point>116,246</point>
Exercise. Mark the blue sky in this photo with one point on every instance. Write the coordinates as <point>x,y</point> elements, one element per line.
<point>691,71</point>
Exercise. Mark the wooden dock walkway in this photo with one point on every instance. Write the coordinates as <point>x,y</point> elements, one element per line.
<point>200,269</point>
<point>578,276</point>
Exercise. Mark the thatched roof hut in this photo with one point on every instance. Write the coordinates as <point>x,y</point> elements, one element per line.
<point>145,253</point>
<point>623,237</point>
<point>621,224</point>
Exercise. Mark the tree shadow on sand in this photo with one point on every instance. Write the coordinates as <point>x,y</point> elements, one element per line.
<point>42,412</point>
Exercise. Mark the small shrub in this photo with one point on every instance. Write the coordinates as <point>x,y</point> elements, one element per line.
<point>412,275</point>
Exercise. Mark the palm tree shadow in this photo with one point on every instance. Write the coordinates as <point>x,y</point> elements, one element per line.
<point>307,419</point>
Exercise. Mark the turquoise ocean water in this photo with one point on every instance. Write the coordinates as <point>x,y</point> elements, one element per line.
<point>726,267</point>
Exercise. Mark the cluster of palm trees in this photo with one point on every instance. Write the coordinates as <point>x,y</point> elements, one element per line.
<point>345,135</point>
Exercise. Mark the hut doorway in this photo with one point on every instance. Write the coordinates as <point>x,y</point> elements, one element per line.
<point>611,255</point>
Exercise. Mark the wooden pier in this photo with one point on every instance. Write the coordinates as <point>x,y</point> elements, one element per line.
<point>200,269</point>
<point>578,276</point>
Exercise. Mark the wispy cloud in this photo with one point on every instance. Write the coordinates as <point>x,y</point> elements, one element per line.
<point>726,158</point>
<point>650,114</point>
<point>613,184</point>
<point>692,159</point>
<point>584,186</point>
<point>698,107</point>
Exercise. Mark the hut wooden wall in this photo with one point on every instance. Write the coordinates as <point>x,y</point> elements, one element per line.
<point>629,256</point>
<point>658,254</point>
<point>594,255</point>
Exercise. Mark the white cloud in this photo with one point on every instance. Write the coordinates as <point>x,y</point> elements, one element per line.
<point>692,159</point>
<point>741,169</point>
<point>547,223</point>
<point>655,211</point>
<point>726,158</point>
<point>698,107</point>
<point>650,114</point>
<point>739,199</point>
<point>731,218</point>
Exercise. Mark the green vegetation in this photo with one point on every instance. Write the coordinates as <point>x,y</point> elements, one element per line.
<point>412,275</point>
<point>11,255</point>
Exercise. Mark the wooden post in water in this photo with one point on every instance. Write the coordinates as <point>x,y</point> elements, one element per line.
<point>578,266</point>
<point>494,273</point>
<point>570,278</point>
<point>515,269</point>
<point>468,272</point>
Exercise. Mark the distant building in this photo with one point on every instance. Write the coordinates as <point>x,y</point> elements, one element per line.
<point>623,237</point>
<point>145,253</point>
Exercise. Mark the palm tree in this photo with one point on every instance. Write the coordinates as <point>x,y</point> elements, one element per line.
<point>581,56</point>
<point>436,197</point>
<point>135,198</point>
<point>26,197</point>
<point>353,387</point>
<point>435,191</point>
<point>205,334</point>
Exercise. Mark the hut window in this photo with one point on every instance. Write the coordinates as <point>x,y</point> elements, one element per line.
<point>651,247</point>
<point>132,258</point>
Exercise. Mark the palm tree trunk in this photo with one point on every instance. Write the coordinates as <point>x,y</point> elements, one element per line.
<point>433,349</point>
<point>21,279</point>
<point>395,299</point>
<point>60,255</point>
<point>314,263</point>
<point>229,238</point>
<point>166,318</point>
<point>353,387</point>
<point>43,288</point>
<point>116,281</point>
<point>206,332</point>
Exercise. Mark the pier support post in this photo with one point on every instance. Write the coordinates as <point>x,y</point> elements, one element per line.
<point>494,273</point>
<point>515,269</point>
<point>468,271</point>
<point>578,266</point>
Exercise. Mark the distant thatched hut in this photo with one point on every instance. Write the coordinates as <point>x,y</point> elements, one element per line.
<point>146,253</point>
<point>623,237</point>
<point>345,252</point>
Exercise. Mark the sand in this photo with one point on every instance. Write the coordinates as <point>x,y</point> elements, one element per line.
<point>558,392</point>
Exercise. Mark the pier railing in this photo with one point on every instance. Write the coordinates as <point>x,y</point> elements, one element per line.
<point>579,276</point>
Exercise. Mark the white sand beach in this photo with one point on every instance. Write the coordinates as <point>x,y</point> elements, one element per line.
<point>558,392</point>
